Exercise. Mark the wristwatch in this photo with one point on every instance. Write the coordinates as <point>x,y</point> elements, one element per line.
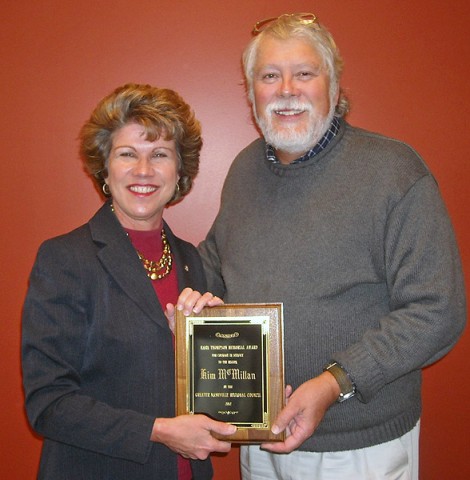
<point>346,384</point>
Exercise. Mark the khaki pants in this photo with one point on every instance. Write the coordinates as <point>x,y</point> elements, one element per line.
<point>394,460</point>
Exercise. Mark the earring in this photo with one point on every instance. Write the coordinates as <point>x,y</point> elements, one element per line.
<point>106,190</point>
<point>176,194</point>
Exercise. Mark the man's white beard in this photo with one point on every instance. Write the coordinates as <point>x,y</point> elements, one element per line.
<point>291,139</point>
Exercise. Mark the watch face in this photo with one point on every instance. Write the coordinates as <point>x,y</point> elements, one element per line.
<point>345,396</point>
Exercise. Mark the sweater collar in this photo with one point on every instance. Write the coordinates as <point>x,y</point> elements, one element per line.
<point>332,131</point>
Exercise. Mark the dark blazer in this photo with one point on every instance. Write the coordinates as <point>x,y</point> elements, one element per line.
<point>98,361</point>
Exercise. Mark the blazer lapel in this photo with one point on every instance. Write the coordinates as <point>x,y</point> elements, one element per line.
<point>120,260</point>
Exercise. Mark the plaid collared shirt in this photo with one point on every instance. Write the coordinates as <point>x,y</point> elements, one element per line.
<point>325,140</point>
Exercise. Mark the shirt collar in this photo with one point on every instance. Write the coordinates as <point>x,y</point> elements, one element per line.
<point>315,150</point>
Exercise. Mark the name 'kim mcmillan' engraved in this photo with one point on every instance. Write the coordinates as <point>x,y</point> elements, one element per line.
<point>227,373</point>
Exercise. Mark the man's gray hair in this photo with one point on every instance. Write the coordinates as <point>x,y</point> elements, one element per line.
<point>313,33</point>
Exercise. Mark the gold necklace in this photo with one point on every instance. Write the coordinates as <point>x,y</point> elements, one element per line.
<point>160,269</point>
<point>154,269</point>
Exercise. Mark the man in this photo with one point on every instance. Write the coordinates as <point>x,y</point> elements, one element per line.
<point>347,228</point>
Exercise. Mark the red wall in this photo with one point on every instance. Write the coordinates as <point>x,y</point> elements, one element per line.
<point>407,69</point>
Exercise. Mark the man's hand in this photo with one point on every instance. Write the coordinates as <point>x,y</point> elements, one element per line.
<point>304,411</point>
<point>190,301</point>
<point>190,435</point>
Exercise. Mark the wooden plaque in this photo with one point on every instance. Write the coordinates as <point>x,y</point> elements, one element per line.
<point>230,366</point>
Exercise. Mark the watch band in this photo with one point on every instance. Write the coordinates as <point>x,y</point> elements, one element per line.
<point>346,384</point>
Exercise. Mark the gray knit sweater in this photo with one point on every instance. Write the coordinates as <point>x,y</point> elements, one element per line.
<point>357,244</point>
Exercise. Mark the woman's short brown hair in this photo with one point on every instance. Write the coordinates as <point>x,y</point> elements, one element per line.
<point>160,111</point>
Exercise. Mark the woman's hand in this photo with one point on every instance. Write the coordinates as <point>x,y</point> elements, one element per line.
<point>190,435</point>
<point>190,301</point>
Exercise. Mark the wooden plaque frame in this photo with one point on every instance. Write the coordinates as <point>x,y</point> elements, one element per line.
<point>229,365</point>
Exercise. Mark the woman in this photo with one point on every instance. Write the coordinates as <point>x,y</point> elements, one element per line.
<point>98,360</point>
